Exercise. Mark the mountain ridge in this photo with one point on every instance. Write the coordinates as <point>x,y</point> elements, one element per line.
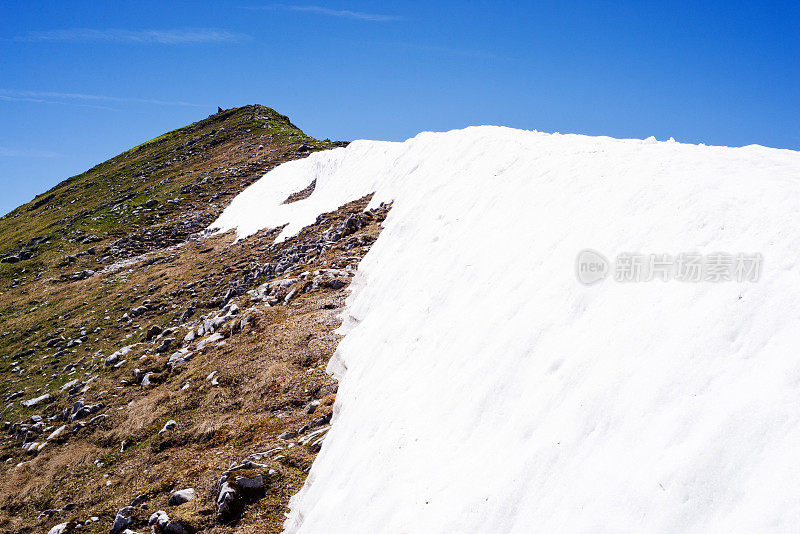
<point>143,174</point>
<point>119,318</point>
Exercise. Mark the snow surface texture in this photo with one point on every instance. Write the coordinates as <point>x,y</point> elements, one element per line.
<point>484,389</point>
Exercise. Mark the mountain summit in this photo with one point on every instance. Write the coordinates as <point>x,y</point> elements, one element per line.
<point>171,186</point>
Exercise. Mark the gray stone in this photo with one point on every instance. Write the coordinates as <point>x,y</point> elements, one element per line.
<point>254,483</point>
<point>98,418</point>
<point>179,358</point>
<point>167,427</point>
<point>68,385</point>
<point>290,295</point>
<point>137,311</point>
<point>181,496</point>
<point>33,402</point>
<point>226,501</point>
<point>159,519</point>
<point>146,380</point>
<point>57,433</point>
<point>174,527</point>
<point>122,521</point>
<point>79,410</point>
<point>189,337</point>
<point>185,316</point>
<point>152,332</point>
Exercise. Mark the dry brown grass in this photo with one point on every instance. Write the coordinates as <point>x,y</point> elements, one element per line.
<point>267,375</point>
<point>32,481</point>
<point>141,413</point>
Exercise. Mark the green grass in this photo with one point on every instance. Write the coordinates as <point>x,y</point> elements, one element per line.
<point>155,169</point>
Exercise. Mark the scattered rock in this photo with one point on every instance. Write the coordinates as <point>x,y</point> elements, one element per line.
<point>80,410</point>
<point>161,523</point>
<point>152,332</point>
<point>178,358</point>
<point>114,358</point>
<point>41,202</point>
<point>226,502</point>
<point>165,344</point>
<point>90,239</point>
<point>82,275</point>
<point>181,496</point>
<point>68,385</point>
<point>122,521</point>
<point>159,520</point>
<point>137,311</point>
<point>33,402</point>
<point>209,340</point>
<point>189,337</point>
<point>61,528</point>
<point>57,433</point>
<point>167,427</point>
<point>186,315</point>
<point>254,483</point>
<point>235,491</point>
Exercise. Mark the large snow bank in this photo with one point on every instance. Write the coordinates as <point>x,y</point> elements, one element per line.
<point>484,389</point>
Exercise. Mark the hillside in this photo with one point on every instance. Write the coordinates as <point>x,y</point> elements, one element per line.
<point>481,330</point>
<point>155,194</point>
<point>104,278</point>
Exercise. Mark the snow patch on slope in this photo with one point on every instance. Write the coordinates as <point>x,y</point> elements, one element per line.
<point>483,389</point>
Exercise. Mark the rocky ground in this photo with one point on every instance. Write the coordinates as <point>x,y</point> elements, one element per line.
<point>156,378</point>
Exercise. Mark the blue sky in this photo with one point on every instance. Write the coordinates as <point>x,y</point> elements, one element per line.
<point>83,81</point>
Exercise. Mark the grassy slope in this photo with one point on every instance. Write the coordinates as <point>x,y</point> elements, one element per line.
<point>267,376</point>
<point>192,172</point>
<point>108,200</point>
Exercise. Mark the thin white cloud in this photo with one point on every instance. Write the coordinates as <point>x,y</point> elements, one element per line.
<point>51,97</point>
<point>178,36</point>
<point>6,152</point>
<point>8,98</point>
<point>344,13</point>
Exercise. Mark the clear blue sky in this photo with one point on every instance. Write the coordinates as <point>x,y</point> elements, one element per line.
<point>82,81</point>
